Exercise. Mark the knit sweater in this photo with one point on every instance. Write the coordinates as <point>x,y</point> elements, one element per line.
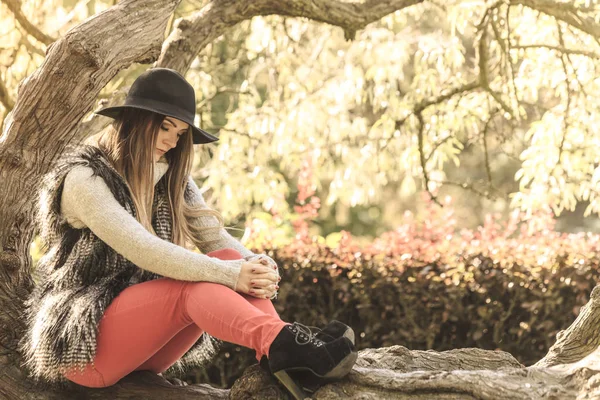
<point>80,274</point>
<point>87,201</point>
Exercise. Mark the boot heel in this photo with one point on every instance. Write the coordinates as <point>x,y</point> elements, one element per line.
<point>290,385</point>
<point>343,368</point>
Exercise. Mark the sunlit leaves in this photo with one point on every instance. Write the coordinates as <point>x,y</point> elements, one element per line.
<point>282,90</point>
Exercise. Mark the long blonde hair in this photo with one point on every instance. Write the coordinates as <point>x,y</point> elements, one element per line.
<point>130,143</point>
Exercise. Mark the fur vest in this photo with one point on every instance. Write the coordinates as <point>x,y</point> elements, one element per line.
<point>80,275</point>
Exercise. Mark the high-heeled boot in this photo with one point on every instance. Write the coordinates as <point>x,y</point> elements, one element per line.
<point>296,348</point>
<point>306,380</point>
<point>333,330</point>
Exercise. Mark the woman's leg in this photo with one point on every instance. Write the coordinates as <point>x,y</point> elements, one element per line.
<point>266,306</point>
<point>228,316</point>
<point>165,308</point>
<point>173,350</point>
<point>138,322</point>
<point>184,340</point>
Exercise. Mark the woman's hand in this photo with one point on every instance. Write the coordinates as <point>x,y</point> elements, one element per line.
<point>258,279</point>
<point>262,258</point>
<point>265,259</point>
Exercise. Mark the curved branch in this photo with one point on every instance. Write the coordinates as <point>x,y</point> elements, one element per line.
<point>5,97</point>
<point>568,105</point>
<point>193,33</point>
<point>580,339</point>
<point>566,12</point>
<point>484,81</point>
<point>434,100</point>
<point>15,7</point>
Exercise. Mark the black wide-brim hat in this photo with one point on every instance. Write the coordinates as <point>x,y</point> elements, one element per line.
<point>164,91</point>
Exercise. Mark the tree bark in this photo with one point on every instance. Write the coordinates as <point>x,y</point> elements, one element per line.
<point>190,35</point>
<point>45,118</point>
<point>137,385</point>
<point>568,371</point>
<point>50,103</point>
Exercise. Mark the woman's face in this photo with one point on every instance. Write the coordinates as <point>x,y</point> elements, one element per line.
<point>168,134</point>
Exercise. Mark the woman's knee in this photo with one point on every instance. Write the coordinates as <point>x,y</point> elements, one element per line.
<point>207,289</point>
<point>225,254</point>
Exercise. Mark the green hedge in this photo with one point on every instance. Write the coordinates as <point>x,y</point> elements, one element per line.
<point>510,285</point>
<point>475,302</point>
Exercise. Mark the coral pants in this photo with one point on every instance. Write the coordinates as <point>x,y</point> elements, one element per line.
<point>150,325</point>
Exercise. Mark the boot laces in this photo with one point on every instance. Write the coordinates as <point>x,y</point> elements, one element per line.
<point>319,331</point>
<point>303,332</point>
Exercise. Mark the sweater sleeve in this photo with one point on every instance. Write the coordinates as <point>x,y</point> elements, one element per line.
<point>87,201</point>
<point>218,239</point>
<point>221,238</point>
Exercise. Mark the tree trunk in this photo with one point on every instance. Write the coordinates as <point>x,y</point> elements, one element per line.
<point>50,103</point>
<point>45,119</point>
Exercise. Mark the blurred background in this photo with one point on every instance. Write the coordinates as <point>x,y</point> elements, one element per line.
<point>281,91</point>
<point>443,116</point>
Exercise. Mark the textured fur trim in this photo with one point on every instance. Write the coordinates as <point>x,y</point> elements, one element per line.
<point>80,275</point>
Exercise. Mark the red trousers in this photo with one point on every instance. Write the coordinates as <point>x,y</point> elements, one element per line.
<point>150,325</point>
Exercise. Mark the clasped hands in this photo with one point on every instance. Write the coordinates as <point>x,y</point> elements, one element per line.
<point>259,278</point>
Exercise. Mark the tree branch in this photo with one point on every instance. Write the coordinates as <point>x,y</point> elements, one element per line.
<point>560,49</point>
<point>5,98</point>
<point>566,12</point>
<point>568,105</point>
<point>15,7</point>
<point>137,385</point>
<point>488,169</point>
<point>482,50</point>
<point>434,100</point>
<point>422,160</point>
<point>468,186</point>
<point>193,33</point>
<point>580,339</point>
<point>511,71</point>
<point>31,48</point>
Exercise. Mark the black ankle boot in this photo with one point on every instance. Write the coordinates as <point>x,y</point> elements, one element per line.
<point>297,349</point>
<point>305,380</point>
<point>333,330</point>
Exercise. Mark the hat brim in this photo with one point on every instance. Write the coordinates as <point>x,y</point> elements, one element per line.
<point>200,136</point>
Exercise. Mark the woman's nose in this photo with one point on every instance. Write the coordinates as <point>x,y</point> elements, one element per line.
<point>170,142</point>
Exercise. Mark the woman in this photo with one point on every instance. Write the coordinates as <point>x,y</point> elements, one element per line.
<point>118,289</point>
